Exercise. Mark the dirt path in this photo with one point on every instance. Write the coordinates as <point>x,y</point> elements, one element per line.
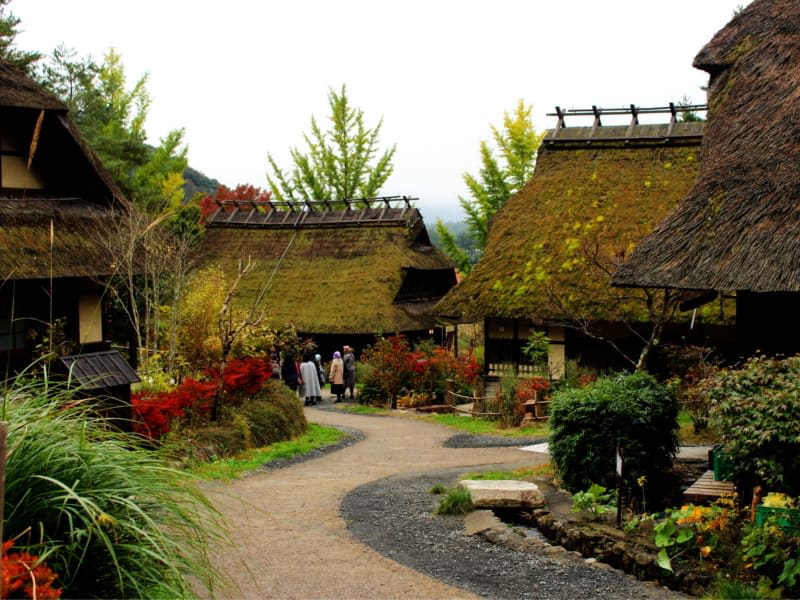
<point>289,540</point>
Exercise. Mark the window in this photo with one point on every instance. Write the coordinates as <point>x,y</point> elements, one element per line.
<point>16,135</point>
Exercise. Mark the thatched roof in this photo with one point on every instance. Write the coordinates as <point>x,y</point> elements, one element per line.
<point>19,90</point>
<point>77,250</point>
<point>333,270</point>
<point>737,228</point>
<point>79,198</point>
<point>597,188</point>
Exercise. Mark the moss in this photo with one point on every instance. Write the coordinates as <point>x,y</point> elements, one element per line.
<point>550,227</point>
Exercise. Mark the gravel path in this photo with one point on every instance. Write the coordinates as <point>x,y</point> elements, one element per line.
<point>357,522</point>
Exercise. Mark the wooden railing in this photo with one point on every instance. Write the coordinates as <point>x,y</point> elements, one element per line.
<point>533,410</point>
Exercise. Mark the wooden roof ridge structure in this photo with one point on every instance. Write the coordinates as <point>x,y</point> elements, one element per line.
<point>632,132</point>
<point>737,228</point>
<point>289,214</point>
<point>586,192</point>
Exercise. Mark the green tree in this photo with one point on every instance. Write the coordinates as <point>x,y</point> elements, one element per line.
<point>112,117</point>
<point>505,170</point>
<point>341,162</point>
<point>8,33</point>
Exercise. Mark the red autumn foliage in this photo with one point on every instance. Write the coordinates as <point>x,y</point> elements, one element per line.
<point>244,374</point>
<point>423,369</point>
<point>25,576</point>
<point>154,412</point>
<point>243,193</point>
<point>528,389</point>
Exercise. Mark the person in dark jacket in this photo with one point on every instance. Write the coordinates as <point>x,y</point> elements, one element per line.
<point>290,371</point>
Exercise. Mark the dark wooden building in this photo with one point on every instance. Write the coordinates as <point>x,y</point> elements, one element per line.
<point>55,202</point>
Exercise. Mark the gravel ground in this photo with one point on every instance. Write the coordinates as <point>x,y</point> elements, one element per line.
<point>355,520</point>
<point>394,516</point>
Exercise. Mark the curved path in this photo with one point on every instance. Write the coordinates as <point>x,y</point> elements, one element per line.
<point>289,538</point>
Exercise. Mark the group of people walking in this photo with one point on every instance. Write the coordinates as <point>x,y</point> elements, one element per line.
<point>309,378</point>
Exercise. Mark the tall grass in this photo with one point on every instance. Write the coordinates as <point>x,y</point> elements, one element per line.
<point>109,516</point>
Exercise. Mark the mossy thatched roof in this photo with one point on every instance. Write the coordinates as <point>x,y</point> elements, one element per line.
<point>79,199</point>
<point>737,228</point>
<point>588,195</point>
<point>326,278</point>
<point>78,248</point>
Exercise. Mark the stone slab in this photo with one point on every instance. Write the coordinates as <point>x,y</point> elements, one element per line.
<point>481,520</point>
<point>503,493</point>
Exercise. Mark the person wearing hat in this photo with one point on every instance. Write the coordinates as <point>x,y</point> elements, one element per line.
<point>349,360</point>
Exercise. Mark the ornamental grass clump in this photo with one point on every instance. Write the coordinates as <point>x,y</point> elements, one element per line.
<point>457,501</point>
<point>108,516</point>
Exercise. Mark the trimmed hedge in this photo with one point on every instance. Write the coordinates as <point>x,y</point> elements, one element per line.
<point>586,425</point>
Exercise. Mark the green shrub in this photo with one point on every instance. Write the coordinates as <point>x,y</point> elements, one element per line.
<point>587,424</point>
<point>273,415</point>
<point>111,518</point>
<point>757,408</point>
<point>458,501</point>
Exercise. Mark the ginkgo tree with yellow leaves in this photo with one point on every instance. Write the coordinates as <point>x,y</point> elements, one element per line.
<point>505,169</point>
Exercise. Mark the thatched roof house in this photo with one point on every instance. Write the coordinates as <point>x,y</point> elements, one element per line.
<point>48,175</point>
<point>355,268</point>
<point>596,191</point>
<point>737,229</point>
<point>55,201</point>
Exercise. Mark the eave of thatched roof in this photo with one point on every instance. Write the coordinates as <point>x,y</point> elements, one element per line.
<point>344,279</point>
<point>79,201</point>
<point>737,227</point>
<point>77,248</point>
<point>19,90</point>
<point>584,192</point>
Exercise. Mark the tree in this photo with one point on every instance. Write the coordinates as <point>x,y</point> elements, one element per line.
<point>8,33</point>
<point>244,193</point>
<point>341,162</point>
<point>499,178</point>
<point>112,119</point>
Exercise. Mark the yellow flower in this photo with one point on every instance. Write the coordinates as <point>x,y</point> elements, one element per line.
<point>705,551</point>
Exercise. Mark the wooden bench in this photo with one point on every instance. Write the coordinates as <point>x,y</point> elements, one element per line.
<point>534,410</point>
<point>708,488</point>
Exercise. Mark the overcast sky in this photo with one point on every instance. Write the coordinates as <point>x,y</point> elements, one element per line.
<point>244,77</point>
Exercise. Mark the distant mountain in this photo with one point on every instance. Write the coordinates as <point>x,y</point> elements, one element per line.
<point>198,183</point>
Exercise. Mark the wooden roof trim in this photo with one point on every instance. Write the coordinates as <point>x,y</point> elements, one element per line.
<point>596,130</point>
<point>389,210</point>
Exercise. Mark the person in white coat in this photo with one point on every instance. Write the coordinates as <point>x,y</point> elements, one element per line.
<point>311,391</point>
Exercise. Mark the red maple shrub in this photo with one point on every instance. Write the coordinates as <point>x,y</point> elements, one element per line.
<point>24,575</point>
<point>192,400</point>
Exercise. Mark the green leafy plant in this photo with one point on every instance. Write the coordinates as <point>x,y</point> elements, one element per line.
<point>692,527</point>
<point>633,412</point>
<point>597,500</point>
<point>457,501</point>
<point>773,553</point>
<point>756,407</point>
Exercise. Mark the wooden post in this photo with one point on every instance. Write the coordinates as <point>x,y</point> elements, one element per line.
<point>3,436</point>
<point>448,392</point>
